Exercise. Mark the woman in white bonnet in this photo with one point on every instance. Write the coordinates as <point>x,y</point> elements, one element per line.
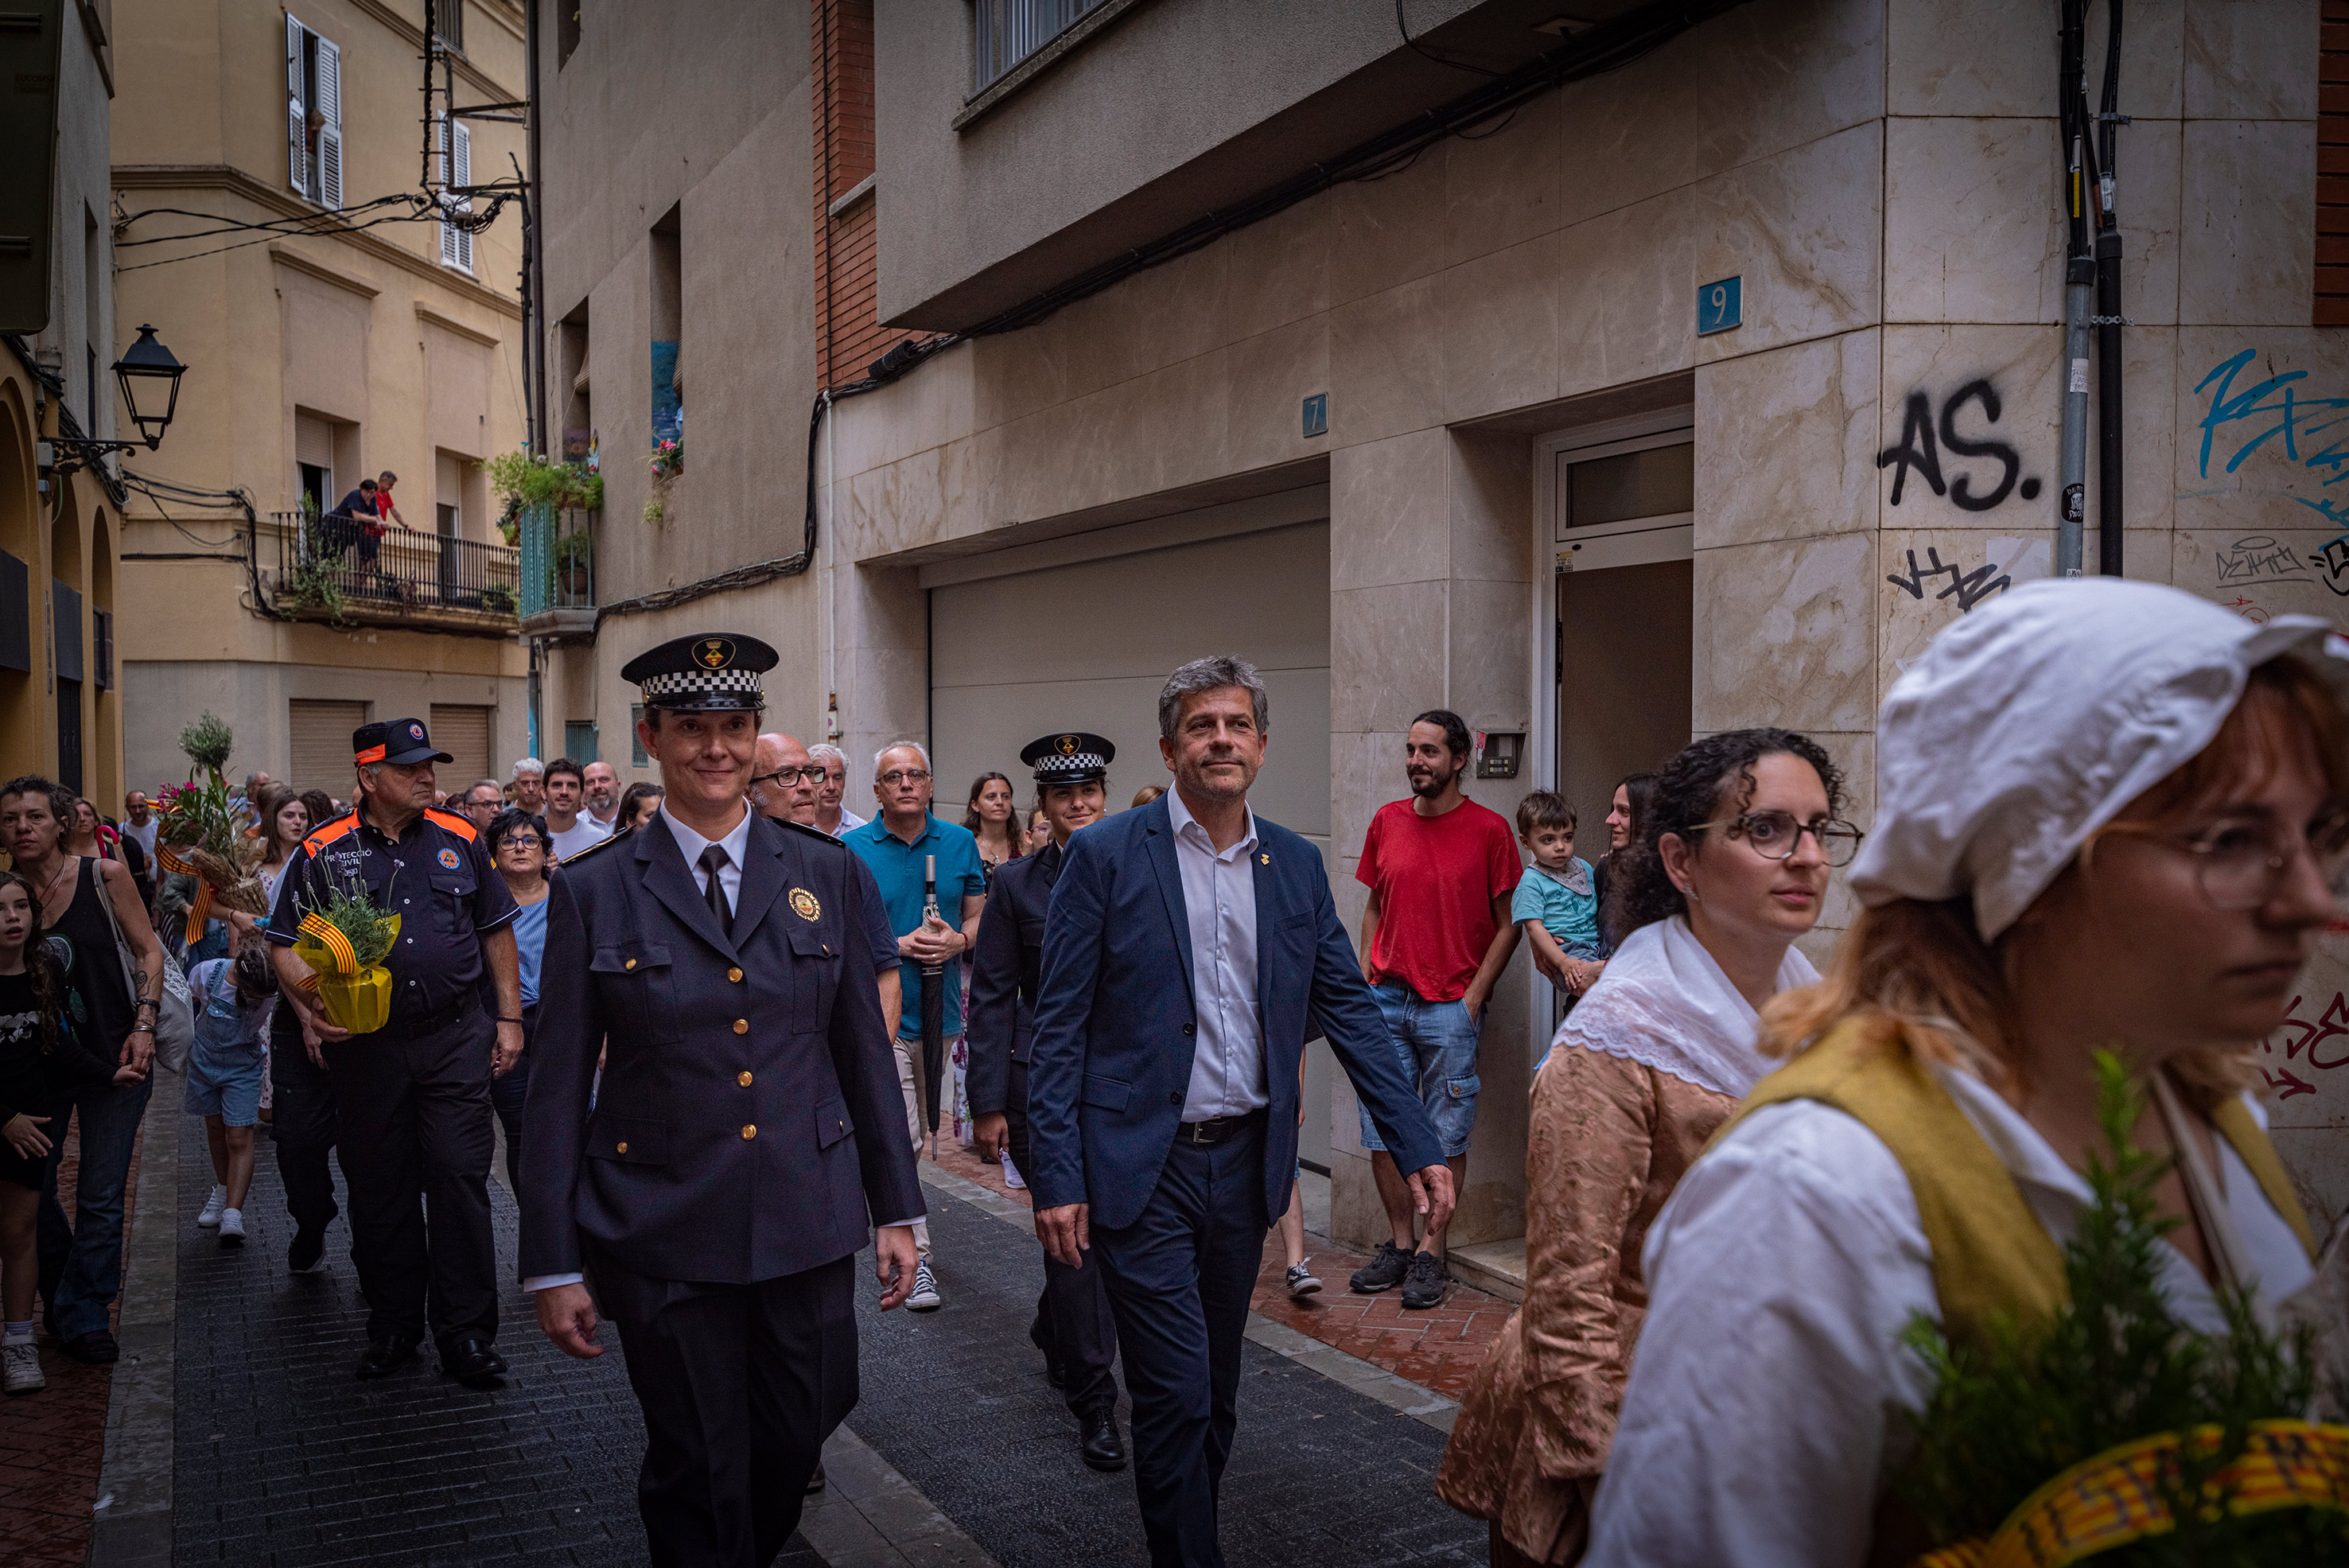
<point>2109,815</point>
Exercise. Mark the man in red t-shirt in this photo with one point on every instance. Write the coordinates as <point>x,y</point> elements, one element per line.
<point>1435,938</point>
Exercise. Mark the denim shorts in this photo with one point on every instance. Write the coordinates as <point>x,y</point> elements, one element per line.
<point>226,1084</point>
<point>1437,1043</point>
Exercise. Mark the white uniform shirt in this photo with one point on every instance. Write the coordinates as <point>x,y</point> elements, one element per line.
<point>1759,1426</point>
<point>1219,897</point>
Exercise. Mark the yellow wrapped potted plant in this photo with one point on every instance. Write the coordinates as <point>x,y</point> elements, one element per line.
<point>2110,1433</point>
<point>343,938</point>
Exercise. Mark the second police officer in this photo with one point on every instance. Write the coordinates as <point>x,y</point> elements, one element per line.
<point>1072,1326</point>
<point>412,1100</point>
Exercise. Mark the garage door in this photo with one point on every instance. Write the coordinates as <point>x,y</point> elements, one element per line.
<point>321,733</point>
<point>1087,647</point>
<point>464,733</point>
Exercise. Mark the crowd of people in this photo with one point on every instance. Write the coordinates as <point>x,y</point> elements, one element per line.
<point>2104,812</point>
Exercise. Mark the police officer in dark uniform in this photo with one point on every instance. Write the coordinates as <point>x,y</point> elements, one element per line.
<point>412,1100</point>
<point>715,1195</point>
<point>1073,1327</point>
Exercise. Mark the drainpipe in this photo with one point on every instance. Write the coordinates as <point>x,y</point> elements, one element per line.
<point>2108,319</point>
<point>2079,274</point>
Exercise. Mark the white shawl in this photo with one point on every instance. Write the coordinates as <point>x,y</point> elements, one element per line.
<point>1664,1003</point>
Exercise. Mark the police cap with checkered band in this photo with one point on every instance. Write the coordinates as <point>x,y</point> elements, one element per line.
<point>711,672</point>
<point>1069,757</point>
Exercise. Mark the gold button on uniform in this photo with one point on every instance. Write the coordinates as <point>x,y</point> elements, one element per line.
<point>749,1133</point>
<point>735,975</point>
<point>621,1148</point>
<point>744,1080</point>
<point>742,1026</point>
<point>630,964</point>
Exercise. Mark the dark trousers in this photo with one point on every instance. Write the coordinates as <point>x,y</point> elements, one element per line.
<point>302,1126</point>
<point>80,1264</point>
<point>740,1385</point>
<point>1179,1281</point>
<point>509,1094</point>
<point>1073,1326</point>
<point>413,1119</point>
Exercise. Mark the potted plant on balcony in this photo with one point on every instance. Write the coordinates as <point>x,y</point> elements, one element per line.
<point>575,568</point>
<point>498,599</point>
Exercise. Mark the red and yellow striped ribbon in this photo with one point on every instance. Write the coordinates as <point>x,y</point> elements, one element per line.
<point>200,907</point>
<point>172,862</point>
<point>337,946</point>
<point>2115,1498</point>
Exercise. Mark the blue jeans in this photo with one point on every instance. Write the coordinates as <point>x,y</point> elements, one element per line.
<point>81,1264</point>
<point>1437,1043</point>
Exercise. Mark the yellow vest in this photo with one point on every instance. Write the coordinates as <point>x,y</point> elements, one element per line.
<point>1991,1254</point>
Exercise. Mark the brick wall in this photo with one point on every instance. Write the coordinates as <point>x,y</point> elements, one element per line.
<point>849,333</point>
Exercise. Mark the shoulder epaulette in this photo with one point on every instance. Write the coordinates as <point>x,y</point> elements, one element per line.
<point>461,826</point>
<point>336,827</point>
<point>811,832</point>
<point>600,844</point>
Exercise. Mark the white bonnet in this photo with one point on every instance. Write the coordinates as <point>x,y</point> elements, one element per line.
<point>2036,720</point>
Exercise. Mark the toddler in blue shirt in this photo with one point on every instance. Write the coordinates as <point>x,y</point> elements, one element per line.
<point>1556,902</point>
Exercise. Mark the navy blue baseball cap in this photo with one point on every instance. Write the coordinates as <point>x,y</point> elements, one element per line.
<point>399,742</point>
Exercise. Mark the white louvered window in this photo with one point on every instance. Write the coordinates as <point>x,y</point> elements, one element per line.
<point>314,115</point>
<point>457,172</point>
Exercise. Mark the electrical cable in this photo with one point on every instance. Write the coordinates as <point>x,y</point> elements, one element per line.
<point>1416,48</point>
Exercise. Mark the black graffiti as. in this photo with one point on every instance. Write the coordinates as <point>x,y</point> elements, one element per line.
<point>2334,559</point>
<point>1970,588</point>
<point>1919,450</point>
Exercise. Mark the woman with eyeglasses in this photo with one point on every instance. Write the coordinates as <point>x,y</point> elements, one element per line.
<point>1731,868</point>
<point>519,844</point>
<point>2111,816</point>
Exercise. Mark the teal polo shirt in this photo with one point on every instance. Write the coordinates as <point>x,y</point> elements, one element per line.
<point>896,866</point>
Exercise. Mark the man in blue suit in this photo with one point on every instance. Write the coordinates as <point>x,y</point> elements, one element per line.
<point>1162,1116</point>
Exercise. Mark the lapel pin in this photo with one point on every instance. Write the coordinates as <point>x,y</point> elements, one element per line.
<point>1264,859</point>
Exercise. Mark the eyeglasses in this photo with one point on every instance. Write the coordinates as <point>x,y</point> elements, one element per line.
<point>1775,834</point>
<point>787,777</point>
<point>904,777</point>
<point>521,841</point>
<point>2242,862</point>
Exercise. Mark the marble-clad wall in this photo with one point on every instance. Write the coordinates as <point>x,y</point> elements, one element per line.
<point>1877,445</point>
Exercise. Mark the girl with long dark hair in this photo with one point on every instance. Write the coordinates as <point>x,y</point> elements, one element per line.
<point>993,820</point>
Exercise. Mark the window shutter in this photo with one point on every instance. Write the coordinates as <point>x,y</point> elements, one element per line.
<point>448,230</point>
<point>461,177</point>
<point>103,646</point>
<point>296,143</point>
<point>330,135</point>
<point>464,733</point>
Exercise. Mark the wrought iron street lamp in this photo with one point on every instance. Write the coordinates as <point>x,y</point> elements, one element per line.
<point>149,375</point>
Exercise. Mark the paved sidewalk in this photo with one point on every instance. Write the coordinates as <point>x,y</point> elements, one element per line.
<point>1439,1349</point>
<point>52,1443</point>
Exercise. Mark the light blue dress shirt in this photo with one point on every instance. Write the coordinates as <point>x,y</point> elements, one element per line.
<point>1219,897</point>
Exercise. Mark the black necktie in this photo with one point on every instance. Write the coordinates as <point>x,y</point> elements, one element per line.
<point>713,859</point>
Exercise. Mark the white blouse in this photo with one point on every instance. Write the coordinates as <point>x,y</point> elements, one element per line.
<point>1759,1424</point>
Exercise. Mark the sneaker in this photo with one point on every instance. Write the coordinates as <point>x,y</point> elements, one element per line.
<point>1302,1281</point>
<point>1011,1173</point>
<point>1424,1286</point>
<point>1383,1272</point>
<point>214,1206</point>
<point>231,1227</point>
<point>925,1296</point>
<point>307,1255</point>
<point>20,1366</point>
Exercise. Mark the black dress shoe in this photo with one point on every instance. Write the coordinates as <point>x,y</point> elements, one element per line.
<point>472,1361</point>
<point>382,1357</point>
<point>1099,1441</point>
<point>96,1348</point>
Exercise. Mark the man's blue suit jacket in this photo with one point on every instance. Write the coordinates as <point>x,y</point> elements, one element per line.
<point>1116,1025</point>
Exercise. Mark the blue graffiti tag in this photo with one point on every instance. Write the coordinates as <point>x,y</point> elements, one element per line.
<point>2299,421</point>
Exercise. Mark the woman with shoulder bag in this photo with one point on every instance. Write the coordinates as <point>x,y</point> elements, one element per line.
<point>90,911</point>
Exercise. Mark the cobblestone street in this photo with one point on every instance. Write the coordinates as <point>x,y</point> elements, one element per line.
<point>958,1453</point>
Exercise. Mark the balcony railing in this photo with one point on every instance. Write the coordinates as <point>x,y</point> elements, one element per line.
<point>333,568</point>
<point>558,571</point>
<point>1011,30</point>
